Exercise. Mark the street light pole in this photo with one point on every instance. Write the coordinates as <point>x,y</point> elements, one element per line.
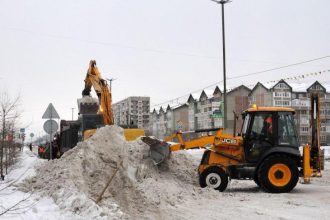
<point>223,2</point>
<point>110,82</point>
<point>72,109</point>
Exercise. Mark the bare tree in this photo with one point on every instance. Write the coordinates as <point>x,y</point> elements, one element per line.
<point>8,111</point>
<point>10,145</point>
<point>19,207</point>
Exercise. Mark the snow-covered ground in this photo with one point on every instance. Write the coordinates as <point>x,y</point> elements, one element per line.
<point>21,205</point>
<point>171,192</point>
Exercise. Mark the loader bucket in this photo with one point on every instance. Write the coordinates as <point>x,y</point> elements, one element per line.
<point>159,150</point>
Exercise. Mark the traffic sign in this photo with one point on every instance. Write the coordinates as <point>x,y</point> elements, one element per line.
<point>23,136</point>
<point>50,126</point>
<point>50,112</point>
<point>31,135</point>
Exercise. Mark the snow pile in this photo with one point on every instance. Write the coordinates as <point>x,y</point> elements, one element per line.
<point>139,189</point>
<point>326,152</point>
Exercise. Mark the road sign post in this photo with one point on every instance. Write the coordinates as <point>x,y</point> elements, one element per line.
<point>31,136</point>
<point>50,126</point>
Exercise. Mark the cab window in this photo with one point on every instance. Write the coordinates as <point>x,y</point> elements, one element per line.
<point>286,130</point>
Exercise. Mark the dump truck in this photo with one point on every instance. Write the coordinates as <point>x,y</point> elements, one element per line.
<point>266,150</point>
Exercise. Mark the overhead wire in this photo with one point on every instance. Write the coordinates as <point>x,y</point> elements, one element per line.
<point>215,84</point>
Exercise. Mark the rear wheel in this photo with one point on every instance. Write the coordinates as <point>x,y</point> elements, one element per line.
<point>278,174</point>
<point>214,177</point>
<point>255,179</point>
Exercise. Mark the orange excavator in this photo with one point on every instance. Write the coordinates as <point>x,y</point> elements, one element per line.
<point>266,151</point>
<point>95,113</point>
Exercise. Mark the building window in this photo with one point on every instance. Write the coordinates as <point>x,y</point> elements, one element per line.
<point>282,94</point>
<point>282,103</point>
<point>282,86</point>
<point>303,112</point>
<point>304,129</point>
<point>323,138</point>
<point>304,120</point>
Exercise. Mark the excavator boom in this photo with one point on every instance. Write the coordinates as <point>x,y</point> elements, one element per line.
<point>94,79</point>
<point>91,109</point>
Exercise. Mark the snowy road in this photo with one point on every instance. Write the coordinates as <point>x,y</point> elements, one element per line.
<point>26,205</point>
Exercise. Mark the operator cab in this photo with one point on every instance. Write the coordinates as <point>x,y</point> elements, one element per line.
<point>266,128</point>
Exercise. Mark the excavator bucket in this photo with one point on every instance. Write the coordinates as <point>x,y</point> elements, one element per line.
<point>88,105</point>
<point>159,150</point>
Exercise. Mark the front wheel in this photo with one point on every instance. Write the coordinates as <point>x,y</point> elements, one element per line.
<point>214,177</point>
<point>278,174</point>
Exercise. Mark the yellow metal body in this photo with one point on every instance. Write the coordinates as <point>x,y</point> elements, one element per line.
<point>132,134</point>
<point>269,109</point>
<point>200,142</point>
<point>308,170</point>
<point>226,150</point>
<point>88,133</point>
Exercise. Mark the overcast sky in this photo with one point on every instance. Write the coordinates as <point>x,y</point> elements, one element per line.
<point>162,49</point>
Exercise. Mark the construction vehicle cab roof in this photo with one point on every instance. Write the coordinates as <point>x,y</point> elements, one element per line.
<point>269,109</point>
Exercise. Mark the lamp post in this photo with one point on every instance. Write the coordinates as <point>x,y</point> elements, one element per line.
<point>110,82</point>
<point>72,110</point>
<point>223,2</point>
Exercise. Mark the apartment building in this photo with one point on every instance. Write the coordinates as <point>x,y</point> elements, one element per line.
<point>260,95</point>
<point>296,96</point>
<point>199,111</point>
<point>301,103</point>
<point>132,111</point>
<point>237,101</point>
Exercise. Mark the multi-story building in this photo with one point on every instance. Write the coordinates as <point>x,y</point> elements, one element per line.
<point>301,103</point>
<point>180,118</point>
<point>133,111</point>
<point>237,101</point>
<point>297,96</point>
<point>260,95</point>
<point>199,111</point>
<point>281,92</point>
<point>204,110</point>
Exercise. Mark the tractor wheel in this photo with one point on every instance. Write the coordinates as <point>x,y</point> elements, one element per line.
<point>255,179</point>
<point>214,177</point>
<point>278,174</point>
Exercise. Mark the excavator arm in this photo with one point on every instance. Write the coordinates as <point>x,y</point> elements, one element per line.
<point>89,107</point>
<point>160,150</point>
<point>200,142</point>
<point>94,79</point>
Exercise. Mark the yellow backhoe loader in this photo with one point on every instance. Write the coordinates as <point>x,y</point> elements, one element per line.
<point>266,150</point>
<point>98,112</point>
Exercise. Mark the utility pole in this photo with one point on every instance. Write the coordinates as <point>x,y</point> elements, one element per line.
<point>72,110</point>
<point>110,82</point>
<point>2,143</point>
<point>223,2</point>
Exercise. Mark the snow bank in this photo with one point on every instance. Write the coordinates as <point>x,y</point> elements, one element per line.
<point>326,152</point>
<point>139,189</point>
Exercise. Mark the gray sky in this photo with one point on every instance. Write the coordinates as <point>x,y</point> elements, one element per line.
<point>161,49</point>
